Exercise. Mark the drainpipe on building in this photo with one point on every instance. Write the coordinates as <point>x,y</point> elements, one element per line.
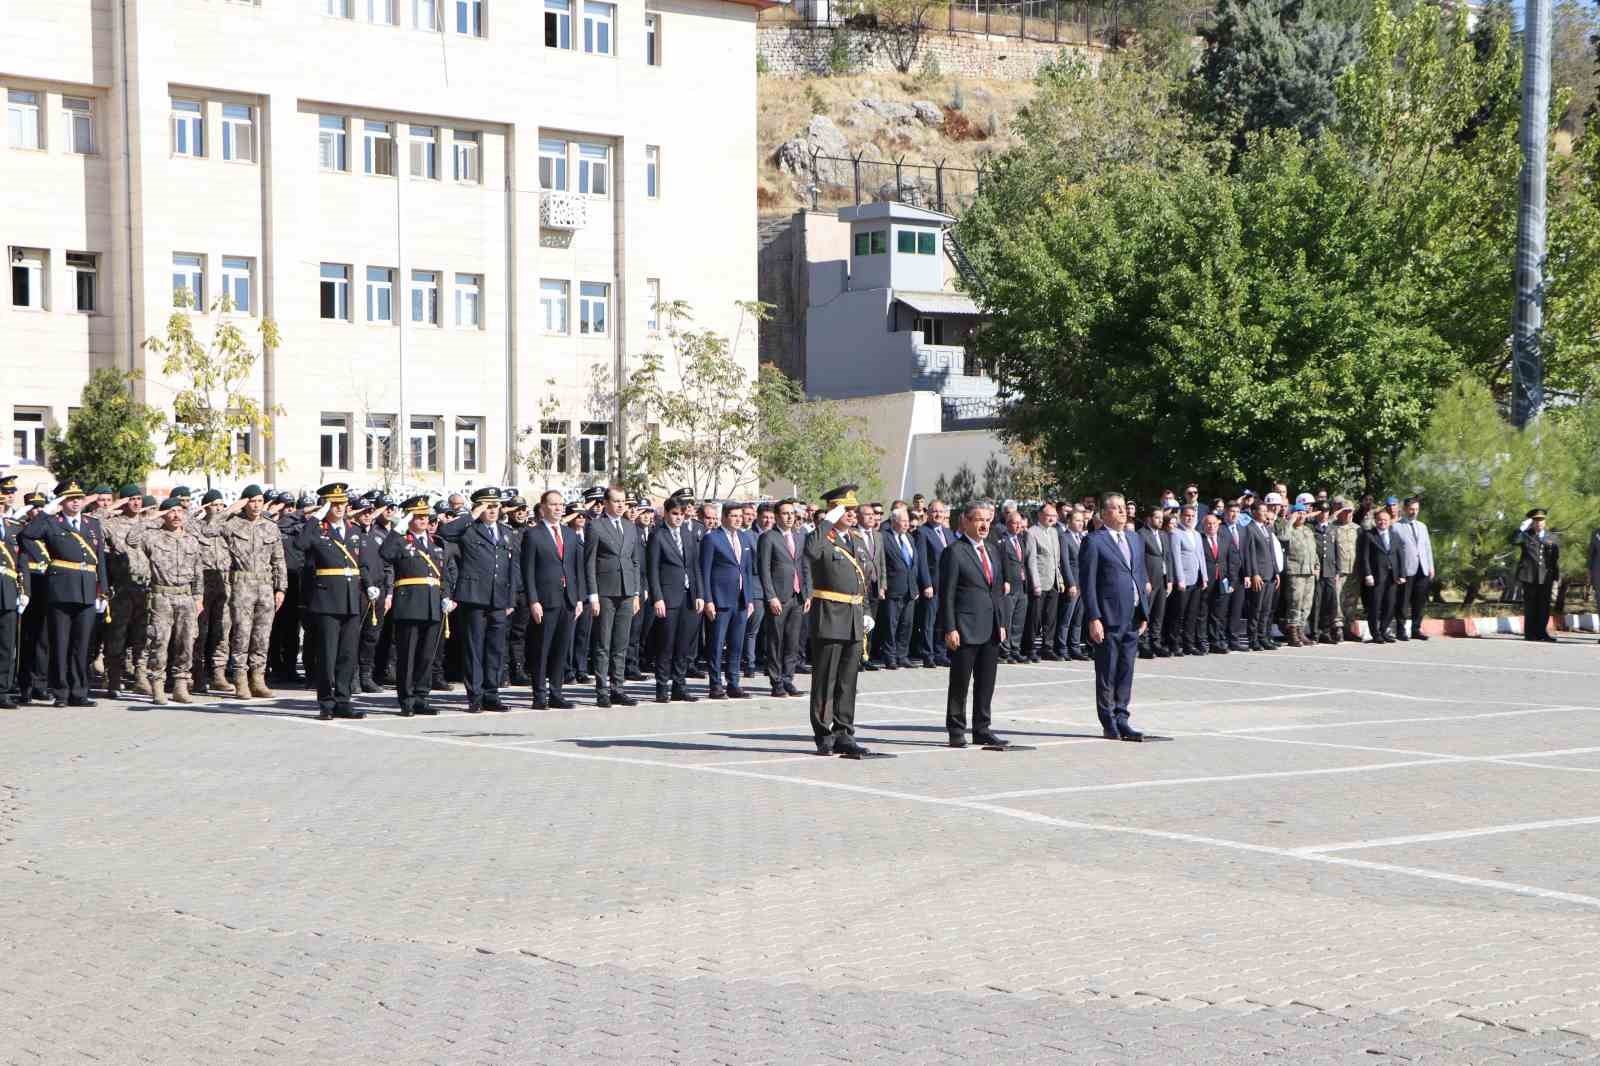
<point>127,191</point>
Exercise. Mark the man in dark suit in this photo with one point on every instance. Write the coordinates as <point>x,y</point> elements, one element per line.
<point>611,559</point>
<point>672,569</point>
<point>1069,614</point>
<point>1220,554</point>
<point>786,590</point>
<point>1013,548</point>
<point>1116,602</point>
<point>553,580</point>
<point>1263,566</point>
<point>900,591</point>
<point>1380,562</point>
<point>1537,568</point>
<point>1157,553</point>
<point>932,539</point>
<point>488,578</point>
<point>77,583</point>
<point>972,620</point>
<point>728,581</point>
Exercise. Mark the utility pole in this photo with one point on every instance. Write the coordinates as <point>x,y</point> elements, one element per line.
<point>1527,316</point>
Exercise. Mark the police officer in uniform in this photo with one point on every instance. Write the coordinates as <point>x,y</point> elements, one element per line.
<point>519,650</point>
<point>487,583</point>
<point>283,653</point>
<point>76,548</point>
<point>838,587</point>
<point>1536,569</point>
<point>334,600</point>
<point>424,582</point>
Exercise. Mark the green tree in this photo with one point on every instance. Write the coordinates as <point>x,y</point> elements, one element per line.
<point>111,440</point>
<point>812,444</point>
<point>899,27</point>
<point>540,457</point>
<point>212,404</point>
<point>957,489</point>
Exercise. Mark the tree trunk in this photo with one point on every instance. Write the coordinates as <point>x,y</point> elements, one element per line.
<point>1470,594</point>
<point>1561,597</point>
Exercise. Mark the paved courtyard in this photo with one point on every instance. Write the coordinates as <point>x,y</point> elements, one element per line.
<point>1347,854</point>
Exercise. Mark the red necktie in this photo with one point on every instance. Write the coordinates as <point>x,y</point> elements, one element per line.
<point>983,557</point>
<point>560,552</point>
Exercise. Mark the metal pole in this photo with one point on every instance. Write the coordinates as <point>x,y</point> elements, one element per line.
<point>1527,316</point>
<point>938,184</point>
<point>856,162</point>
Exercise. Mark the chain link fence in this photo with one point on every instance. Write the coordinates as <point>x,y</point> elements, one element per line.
<point>1108,24</point>
<point>850,181</point>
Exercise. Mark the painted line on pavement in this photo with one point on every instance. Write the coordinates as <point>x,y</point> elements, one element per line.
<point>1395,721</point>
<point>1219,779</point>
<point>1455,834</point>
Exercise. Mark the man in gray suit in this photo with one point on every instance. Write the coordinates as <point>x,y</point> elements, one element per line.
<point>786,596</point>
<point>1043,560</point>
<point>611,556</point>
<point>1416,566</point>
<point>1188,586</point>
<point>1069,608</point>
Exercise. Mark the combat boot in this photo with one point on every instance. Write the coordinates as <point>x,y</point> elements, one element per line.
<point>180,692</point>
<point>141,682</point>
<point>113,682</point>
<point>258,685</point>
<point>158,694</point>
<point>241,684</point>
<point>219,680</point>
<point>366,682</point>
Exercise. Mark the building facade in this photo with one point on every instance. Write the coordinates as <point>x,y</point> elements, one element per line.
<point>461,214</point>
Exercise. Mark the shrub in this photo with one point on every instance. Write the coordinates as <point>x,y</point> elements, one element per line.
<point>839,62</point>
<point>958,127</point>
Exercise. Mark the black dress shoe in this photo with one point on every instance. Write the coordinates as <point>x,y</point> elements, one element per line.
<point>662,697</point>
<point>81,702</point>
<point>1110,732</point>
<point>539,704</point>
<point>927,664</point>
<point>558,703</point>
<point>849,748</point>
<point>633,675</point>
<point>825,746</point>
<point>1163,653</point>
<point>789,689</point>
<point>717,693</point>
<point>602,699</point>
<point>406,711</point>
<point>1400,636</point>
<point>777,692</point>
<point>423,708</point>
<point>622,699</point>
<point>7,704</point>
<point>1146,653</point>
<point>1547,638</point>
<point>989,740</point>
<point>495,703</point>
<point>474,707</point>
<point>698,674</point>
<point>1419,636</point>
<point>958,740</point>
<point>869,665</point>
<point>324,714</point>
<point>737,693</point>
<point>582,678</point>
<point>1178,653</point>
<point>358,714</point>
<point>685,696</point>
<point>1125,730</point>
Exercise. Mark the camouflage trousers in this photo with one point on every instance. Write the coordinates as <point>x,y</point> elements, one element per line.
<point>124,635</point>
<point>1302,589</point>
<point>1349,598</point>
<point>171,625</point>
<point>251,608</point>
<point>211,632</point>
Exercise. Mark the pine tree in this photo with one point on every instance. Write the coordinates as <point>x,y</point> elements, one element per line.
<point>111,440</point>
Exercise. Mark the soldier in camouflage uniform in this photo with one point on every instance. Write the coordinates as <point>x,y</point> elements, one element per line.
<point>257,582</point>
<point>1347,536</point>
<point>130,585</point>
<point>1301,569</point>
<point>211,633</point>
<point>177,594</point>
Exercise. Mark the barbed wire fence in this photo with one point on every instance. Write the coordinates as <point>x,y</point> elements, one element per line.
<point>850,181</point>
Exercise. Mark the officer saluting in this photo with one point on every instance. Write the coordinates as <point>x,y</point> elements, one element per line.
<point>13,600</point>
<point>1537,572</point>
<point>331,587</point>
<point>424,581</point>
<point>76,548</point>
<point>837,621</point>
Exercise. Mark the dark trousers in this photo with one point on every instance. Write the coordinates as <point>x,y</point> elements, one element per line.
<point>1190,630</point>
<point>483,654</point>
<point>1258,612</point>
<point>519,641</point>
<point>1113,671</point>
<point>610,640</point>
<point>1038,632</point>
<point>582,634</point>
<point>283,650</point>
<point>724,646</point>
<point>415,644</point>
<point>676,637</point>
<point>635,655</point>
<point>1215,616</point>
<point>1536,610</point>
<point>929,645</point>
<point>1411,602</point>
<point>10,632</point>
<point>1238,626</point>
<point>1177,609</point>
<point>1380,605</point>
<point>1016,621</point>
<point>834,665</point>
<point>785,631</point>
<point>1069,625</point>
<point>974,666</point>
<point>33,651</point>
<point>1154,635</point>
<point>71,626</point>
<point>371,633</point>
<point>752,632</point>
<point>548,642</point>
<point>335,637</point>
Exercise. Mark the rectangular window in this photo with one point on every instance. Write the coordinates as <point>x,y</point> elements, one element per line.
<point>22,118</point>
<point>422,441</point>
<point>652,171</point>
<point>238,133</point>
<point>554,300</point>
<point>189,281</point>
<point>594,165</point>
<point>244,442</point>
<point>380,294</point>
<point>27,435</point>
<point>469,443</point>
<point>553,446</point>
<point>652,40</point>
<point>425,15</point>
<point>28,277</point>
<point>377,149</point>
<point>467,152</point>
<point>552,165</point>
<point>469,17</point>
<point>932,330</point>
<point>425,297</point>
<point>880,241</point>
<point>558,23</point>
<point>336,292</point>
<point>593,300</point>
<point>383,12</point>
<point>332,142</point>
<point>236,274</point>
<point>863,244</point>
<point>592,440</point>
<point>380,442</point>
<point>188,128</point>
<point>469,300</point>
<point>424,152</point>
<point>335,442</point>
<point>905,242</point>
<point>597,19</point>
<point>84,268</point>
<point>926,243</point>
<point>652,300</point>
<point>337,8</point>
<point>78,111</point>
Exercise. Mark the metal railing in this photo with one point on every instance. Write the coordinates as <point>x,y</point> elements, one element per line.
<point>1104,25</point>
<point>854,180</point>
<point>978,412</point>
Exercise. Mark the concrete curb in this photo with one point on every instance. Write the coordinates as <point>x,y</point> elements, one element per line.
<point>1490,625</point>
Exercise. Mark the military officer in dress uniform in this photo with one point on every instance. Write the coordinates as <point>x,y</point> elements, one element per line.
<point>838,588</point>
<point>487,584</point>
<point>334,600</point>
<point>33,654</point>
<point>1537,571</point>
<point>76,549</point>
<point>424,582</point>
<point>13,600</point>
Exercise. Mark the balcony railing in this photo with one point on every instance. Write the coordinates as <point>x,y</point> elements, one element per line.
<point>563,210</point>
<point>936,365</point>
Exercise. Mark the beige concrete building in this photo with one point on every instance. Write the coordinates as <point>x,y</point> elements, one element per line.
<point>446,205</point>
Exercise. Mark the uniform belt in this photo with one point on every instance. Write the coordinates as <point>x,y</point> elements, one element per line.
<point>172,590</point>
<point>402,582</point>
<point>265,575</point>
<point>38,568</point>
<point>62,564</point>
<point>339,571</point>
<point>836,597</point>
<point>8,572</point>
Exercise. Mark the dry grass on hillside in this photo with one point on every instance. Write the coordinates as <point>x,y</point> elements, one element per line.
<point>977,122</point>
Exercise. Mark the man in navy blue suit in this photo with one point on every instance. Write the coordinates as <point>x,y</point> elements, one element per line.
<point>728,582</point>
<point>1116,601</point>
<point>933,537</point>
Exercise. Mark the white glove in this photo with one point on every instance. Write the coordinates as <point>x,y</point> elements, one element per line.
<point>449,605</point>
<point>99,606</point>
<point>834,515</point>
<point>22,603</point>
<point>322,512</point>
<point>867,623</point>
<point>372,593</point>
<point>1526,522</point>
<point>52,508</point>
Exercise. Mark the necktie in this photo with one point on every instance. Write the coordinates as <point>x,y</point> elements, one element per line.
<point>677,540</point>
<point>561,554</point>
<point>905,549</point>
<point>938,531</point>
<point>617,522</point>
<point>983,557</point>
<point>788,540</point>
<point>494,533</point>
<point>1122,543</point>
<point>1016,547</point>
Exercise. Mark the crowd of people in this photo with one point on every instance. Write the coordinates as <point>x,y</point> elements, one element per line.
<point>118,592</point>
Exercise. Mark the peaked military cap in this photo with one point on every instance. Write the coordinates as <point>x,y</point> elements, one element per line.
<point>843,496</point>
<point>416,505</point>
<point>69,490</point>
<point>335,492</point>
<point>487,494</point>
<point>1537,512</point>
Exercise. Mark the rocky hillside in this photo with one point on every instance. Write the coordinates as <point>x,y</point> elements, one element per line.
<point>920,121</point>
